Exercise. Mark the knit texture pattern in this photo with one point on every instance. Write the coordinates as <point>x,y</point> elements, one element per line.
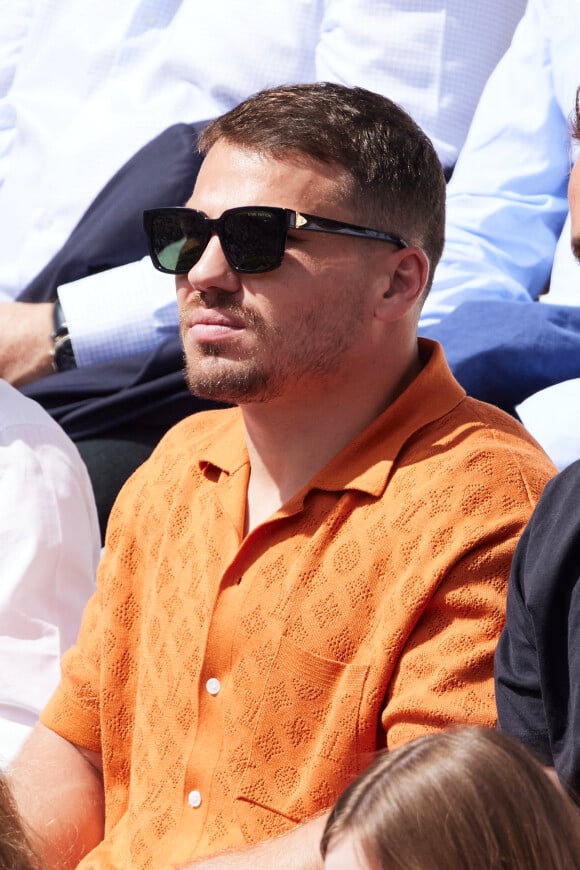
<point>363,613</point>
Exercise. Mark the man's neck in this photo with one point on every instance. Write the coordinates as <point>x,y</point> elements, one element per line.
<point>290,439</point>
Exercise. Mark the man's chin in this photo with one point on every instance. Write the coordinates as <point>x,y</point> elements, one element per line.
<point>230,387</point>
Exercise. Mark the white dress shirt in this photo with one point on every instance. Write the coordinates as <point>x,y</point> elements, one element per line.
<point>49,549</point>
<point>84,85</point>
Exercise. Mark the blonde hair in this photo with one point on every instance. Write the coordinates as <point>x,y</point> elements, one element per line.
<point>16,852</point>
<point>465,799</point>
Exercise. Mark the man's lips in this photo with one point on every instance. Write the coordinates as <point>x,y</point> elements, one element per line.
<point>212,325</point>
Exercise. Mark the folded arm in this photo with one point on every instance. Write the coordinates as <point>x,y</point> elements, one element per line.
<point>58,788</point>
<point>297,850</point>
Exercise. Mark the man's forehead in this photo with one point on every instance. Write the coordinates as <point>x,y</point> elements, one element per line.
<point>231,176</point>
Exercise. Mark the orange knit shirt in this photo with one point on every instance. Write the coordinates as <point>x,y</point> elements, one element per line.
<point>235,686</point>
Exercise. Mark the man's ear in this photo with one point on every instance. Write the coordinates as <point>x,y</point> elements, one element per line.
<point>404,282</point>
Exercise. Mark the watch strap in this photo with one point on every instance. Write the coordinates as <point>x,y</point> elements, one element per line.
<point>62,353</point>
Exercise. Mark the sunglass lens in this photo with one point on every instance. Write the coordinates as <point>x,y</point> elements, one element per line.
<point>178,241</point>
<point>254,239</point>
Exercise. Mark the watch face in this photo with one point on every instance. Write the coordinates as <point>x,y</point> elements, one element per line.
<point>64,356</point>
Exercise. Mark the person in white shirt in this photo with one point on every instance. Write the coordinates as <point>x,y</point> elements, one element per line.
<point>83,86</point>
<point>508,238</point>
<point>49,550</point>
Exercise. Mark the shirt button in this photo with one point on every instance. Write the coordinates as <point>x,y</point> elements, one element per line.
<point>213,685</point>
<point>194,799</point>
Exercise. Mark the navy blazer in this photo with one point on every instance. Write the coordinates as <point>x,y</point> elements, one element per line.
<point>145,390</point>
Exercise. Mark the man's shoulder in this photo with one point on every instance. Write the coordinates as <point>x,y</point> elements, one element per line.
<point>177,460</point>
<point>564,488</point>
<point>200,429</point>
<point>188,443</point>
<point>27,429</point>
<point>478,439</point>
<point>553,532</point>
<point>20,412</point>
<point>491,429</point>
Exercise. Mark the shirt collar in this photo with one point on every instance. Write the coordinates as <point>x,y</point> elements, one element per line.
<point>366,462</point>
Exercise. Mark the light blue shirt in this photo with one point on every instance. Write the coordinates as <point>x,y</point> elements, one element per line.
<point>506,204</point>
<point>508,236</point>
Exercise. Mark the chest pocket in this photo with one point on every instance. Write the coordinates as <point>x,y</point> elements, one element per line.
<point>309,741</point>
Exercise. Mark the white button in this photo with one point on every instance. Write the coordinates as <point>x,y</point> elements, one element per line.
<point>213,685</point>
<point>194,799</point>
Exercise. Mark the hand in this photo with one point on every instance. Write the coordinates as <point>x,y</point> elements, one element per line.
<point>25,344</point>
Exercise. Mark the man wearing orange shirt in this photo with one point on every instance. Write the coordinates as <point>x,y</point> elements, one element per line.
<point>291,583</point>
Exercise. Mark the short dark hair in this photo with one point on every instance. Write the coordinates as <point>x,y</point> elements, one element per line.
<point>462,799</point>
<point>397,178</point>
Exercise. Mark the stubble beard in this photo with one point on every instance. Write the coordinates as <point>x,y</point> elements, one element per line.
<point>215,374</point>
<point>231,381</point>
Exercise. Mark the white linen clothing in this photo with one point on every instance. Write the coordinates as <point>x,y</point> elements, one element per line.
<point>84,85</point>
<point>49,549</point>
<point>506,203</point>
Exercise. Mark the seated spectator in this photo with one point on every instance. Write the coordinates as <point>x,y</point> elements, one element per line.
<point>469,799</point>
<point>538,657</point>
<point>15,850</point>
<point>290,584</point>
<point>119,384</point>
<point>49,550</point>
<point>505,296</point>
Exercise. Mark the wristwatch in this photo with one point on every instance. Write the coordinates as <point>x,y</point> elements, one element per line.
<point>63,355</point>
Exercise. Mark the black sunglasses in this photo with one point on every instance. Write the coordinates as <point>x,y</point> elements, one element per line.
<point>253,237</point>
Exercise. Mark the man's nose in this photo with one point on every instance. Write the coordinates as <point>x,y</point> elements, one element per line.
<point>213,270</point>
